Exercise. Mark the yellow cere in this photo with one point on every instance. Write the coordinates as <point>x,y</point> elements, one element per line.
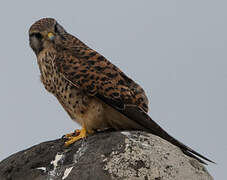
<point>50,36</point>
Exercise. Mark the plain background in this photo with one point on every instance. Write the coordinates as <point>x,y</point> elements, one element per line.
<point>175,49</point>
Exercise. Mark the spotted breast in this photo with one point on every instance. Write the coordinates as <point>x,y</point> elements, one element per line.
<point>84,109</point>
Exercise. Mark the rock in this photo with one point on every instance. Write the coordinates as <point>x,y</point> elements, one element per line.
<point>130,155</point>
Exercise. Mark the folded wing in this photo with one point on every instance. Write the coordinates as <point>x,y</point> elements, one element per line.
<point>96,76</point>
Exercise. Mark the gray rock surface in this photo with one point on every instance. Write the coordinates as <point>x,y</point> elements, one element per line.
<point>110,155</point>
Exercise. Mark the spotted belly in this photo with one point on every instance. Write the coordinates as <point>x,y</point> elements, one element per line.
<point>86,110</point>
<point>89,111</point>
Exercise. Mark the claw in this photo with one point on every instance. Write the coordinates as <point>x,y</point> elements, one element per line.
<point>71,135</point>
<point>79,135</point>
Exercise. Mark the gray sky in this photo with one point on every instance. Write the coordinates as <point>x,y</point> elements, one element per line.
<point>177,50</point>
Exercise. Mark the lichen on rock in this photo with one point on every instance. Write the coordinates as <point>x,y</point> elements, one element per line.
<point>130,155</point>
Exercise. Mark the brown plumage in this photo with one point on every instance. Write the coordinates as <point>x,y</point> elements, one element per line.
<point>93,91</point>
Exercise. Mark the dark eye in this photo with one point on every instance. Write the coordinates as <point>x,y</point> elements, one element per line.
<point>59,29</point>
<point>56,28</point>
<point>37,35</point>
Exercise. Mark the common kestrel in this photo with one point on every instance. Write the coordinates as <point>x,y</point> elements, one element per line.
<point>94,92</point>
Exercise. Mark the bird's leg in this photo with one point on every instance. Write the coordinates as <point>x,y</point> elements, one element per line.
<point>82,134</point>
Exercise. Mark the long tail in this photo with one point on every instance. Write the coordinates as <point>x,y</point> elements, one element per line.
<point>143,119</point>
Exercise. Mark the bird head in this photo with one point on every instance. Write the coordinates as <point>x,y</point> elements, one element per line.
<point>44,33</point>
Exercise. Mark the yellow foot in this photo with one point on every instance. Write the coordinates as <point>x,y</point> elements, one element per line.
<point>71,135</point>
<point>72,139</point>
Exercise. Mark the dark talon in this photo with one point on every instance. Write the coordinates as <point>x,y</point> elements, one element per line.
<point>63,137</point>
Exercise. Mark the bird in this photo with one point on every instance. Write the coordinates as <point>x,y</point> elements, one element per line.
<point>93,91</point>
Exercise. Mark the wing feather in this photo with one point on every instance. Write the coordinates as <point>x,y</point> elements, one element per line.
<point>98,77</point>
<point>95,75</point>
